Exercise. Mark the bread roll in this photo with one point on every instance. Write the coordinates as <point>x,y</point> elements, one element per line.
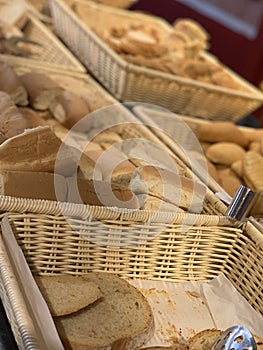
<point>69,108</point>
<point>65,294</point>
<point>170,187</point>
<point>12,122</point>
<point>12,85</point>
<point>34,185</point>
<point>229,180</point>
<point>252,171</point>
<point>222,132</point>
<point>225,153</point>
<point>37,149</point>
<point>100,193</point>
<point>121,319</point>
<point>41,89</point>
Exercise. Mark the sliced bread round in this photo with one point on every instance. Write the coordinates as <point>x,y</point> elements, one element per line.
<point>65,294</point>
<point>204,340</point>
<point>122,319</point>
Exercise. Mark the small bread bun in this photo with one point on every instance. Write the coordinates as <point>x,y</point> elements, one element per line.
<point>222,132</point>
<point>41,89</point>
<point>69,108</point>
<point>12,121</point>
<point>11,84</point>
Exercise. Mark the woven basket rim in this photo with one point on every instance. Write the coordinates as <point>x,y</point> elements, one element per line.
<point>253,92</point>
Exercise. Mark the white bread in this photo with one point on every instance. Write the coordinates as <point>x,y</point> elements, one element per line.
<point>34,185</point>
<point>205,339</point>
<point>12,122</point>
<point>121,319</point>
<point>69,108</point>
<point>41,89</point>
<point>113,164</point>
<point>37,149</point>
<point>101,193</point>
<point>87,168</point>
<point>148,202</point>
<point>12,85</point>
<point>170,187</point>
<point>65,294</point>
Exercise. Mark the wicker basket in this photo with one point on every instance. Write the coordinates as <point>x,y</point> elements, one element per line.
<point>52,50</point>
<point>177,252</point>
<point>128,82</point>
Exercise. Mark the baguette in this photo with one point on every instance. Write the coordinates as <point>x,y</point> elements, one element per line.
<point>121,319</point>
<point>204,340</point>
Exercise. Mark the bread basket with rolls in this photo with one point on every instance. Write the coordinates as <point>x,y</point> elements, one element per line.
<point>152,234</point>
<point>134,46</point>
<point>24,35</point>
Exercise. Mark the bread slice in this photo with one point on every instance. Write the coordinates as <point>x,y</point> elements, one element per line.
<point>65,294</point>
<point>170,187</point>
<point>121,319</point>
<point>101,193</point>
<point>204,340</point>
<point>37,149</point>
<point>34,185</point>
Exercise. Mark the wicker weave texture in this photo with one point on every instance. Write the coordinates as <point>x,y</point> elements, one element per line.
<point>132,244</point>
<point>129,82</point>
<point>51,49</point>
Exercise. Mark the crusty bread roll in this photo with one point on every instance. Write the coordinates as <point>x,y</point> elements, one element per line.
<point>191,28</point>
<point>69,108</point>
<point>222,131</point>
<point>37,149</point>
<point>34,185</point>
<point>170,187</point>
<point>41,89</point>
<point>101,193</point>
<point>121,319</point>
<point>12,122</point>
<point>12,85</point>
<point>225,153</point>
<point>229,180</point>
<point>252,171</point>
<point>65,294</point>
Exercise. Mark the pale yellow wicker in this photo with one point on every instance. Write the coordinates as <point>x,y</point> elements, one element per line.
<point>166,248</point>
<point>52,50</point>
<point>128,82</point>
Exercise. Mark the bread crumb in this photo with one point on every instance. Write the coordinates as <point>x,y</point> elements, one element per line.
<point>193,293</point>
